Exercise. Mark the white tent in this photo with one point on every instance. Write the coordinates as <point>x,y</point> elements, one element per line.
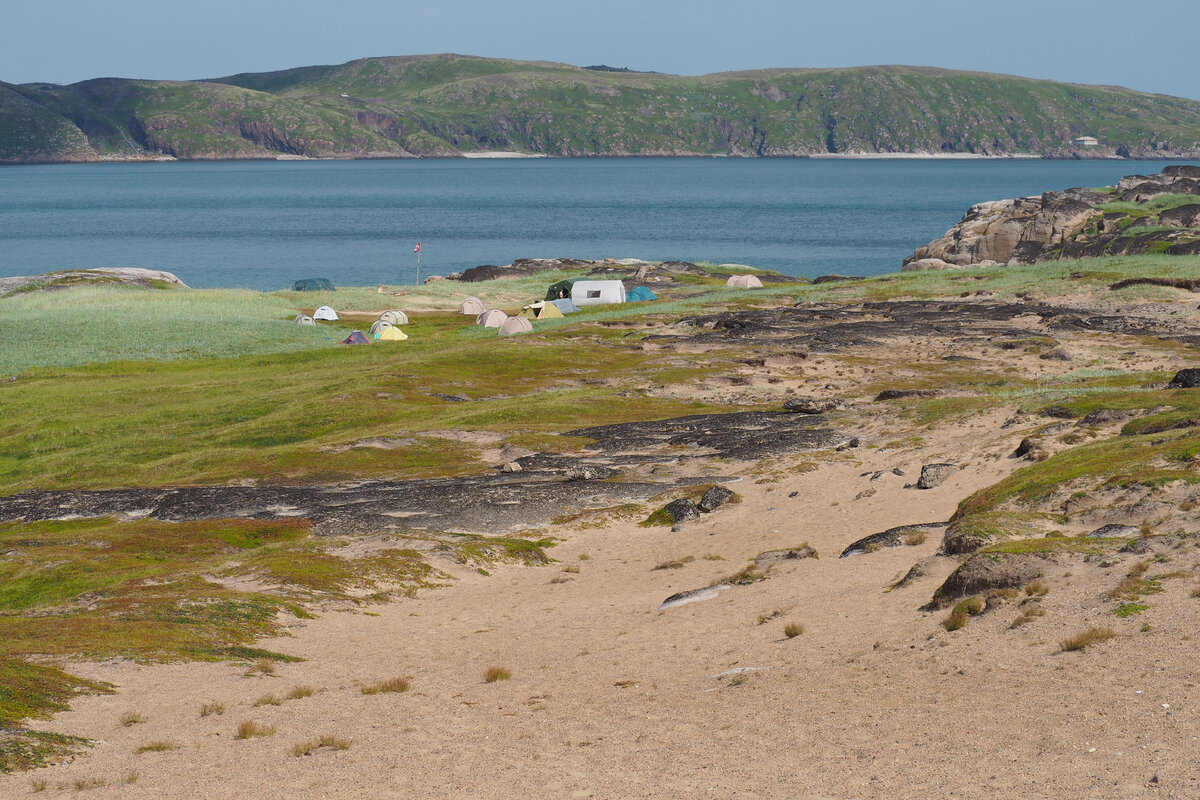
<point>491,319</point>
<point>514,325</point>
<point>326,313</point>
<point>472,306</point>
<point>395,317</point>
<point>592,293</point>
<point>744,282</point>
<point>378,326</point>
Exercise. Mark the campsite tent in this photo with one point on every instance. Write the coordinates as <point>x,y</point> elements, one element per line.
<point>378,326</point>
<point>313,285</point>
<point>591,293</point>
<point>514,325</point>
<point>472,306</point>
<point>560,290</point>
<point>357,337</point>
<point>639,294</point>
<point>565,305</point>
<point>491,319</point>
<point>395,317</point>
<point>744,282</point>
<point>326,313</point>
<point>391,334</point>
<point>303,319</point>
<point>542,310</point>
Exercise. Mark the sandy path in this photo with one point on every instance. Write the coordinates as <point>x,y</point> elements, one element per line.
<point>612,699</point>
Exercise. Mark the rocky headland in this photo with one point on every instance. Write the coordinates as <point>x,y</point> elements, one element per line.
<point>1141,214</point>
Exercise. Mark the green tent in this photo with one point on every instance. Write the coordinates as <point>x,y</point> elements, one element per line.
<point>313,285</point>
<point>562,289</point>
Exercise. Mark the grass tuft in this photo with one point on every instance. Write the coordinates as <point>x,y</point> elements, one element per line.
<point>494,673</point>
<point>208,709</point>
<point>792,630</point>
<point>391,685</point>
<point>131,718</point>
<point>1085,639</point>
<point>301,692</point>
<point>267,700</point>
<point>325,741</point>
<point>157,746</point>
<point>253,728</point>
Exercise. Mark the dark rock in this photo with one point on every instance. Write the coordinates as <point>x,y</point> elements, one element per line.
<point>836,278</point>
<point>680,510</point>
<point>779,556</point>
<point>451,398</point>
<point>793,494</point>
<point>1027,446</point>
<point>986,571</point>
<point>1113,530</point>
<point>811,405</point>
<point>1105,416</point>
<point>1058,354</point>
<point>1187,216</point>
<point>892,537</point>
<point>935,474</point>
<point>714,498</point>
<point>1185,379</point>
<point>896,394</point>
<point>1140,546</point>
<point>1059,412</point>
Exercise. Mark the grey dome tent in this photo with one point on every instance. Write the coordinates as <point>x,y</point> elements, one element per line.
<point>313,285</point>
<point>395,317</point>
<point>565,305</point>
<point>378,326</point>
<point>514,325</point>
<point>491,319</point>
<point>304,319</point>
<point>472,306</point>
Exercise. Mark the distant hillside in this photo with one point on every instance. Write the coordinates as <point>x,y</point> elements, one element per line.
<point>448,104</point>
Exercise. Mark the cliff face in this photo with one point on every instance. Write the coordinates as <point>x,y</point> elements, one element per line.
<point>1141,214</point>
<point>448,105</point>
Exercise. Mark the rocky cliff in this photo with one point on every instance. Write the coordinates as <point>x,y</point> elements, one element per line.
<point>1141,214</point>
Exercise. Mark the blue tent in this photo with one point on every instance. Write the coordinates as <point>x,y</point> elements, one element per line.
<point>565,305</point>
<point>639,294</point>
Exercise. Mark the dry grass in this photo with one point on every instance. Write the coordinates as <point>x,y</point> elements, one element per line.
<point>915,538</point>
<point>965,609</point>
<point>157,746</point>
<point>494,674</point>
<point>1196,592</point>
<point>38,786</point>
<point>1038,588</point>
<point>301,692</point>
<point>131,777</point>
<point>765,618</point>
<point>561,579</point>
<point>1087,638</point>
<point>390,685</point>
<point>268,700</point>
<point>1028,614</point>
<point>208,709</point>
<point>571,568</point>
<point>252,728</point>
<point>676,564</point>
<point>263,666</point>
<point>327,741</point>
<point>792,630</point>
<point>83,784</point>
<point>131,718</point>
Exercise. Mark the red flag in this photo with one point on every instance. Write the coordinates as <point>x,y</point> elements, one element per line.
<point>417,249</point>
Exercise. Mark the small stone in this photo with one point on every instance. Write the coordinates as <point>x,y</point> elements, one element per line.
<point>898,471</point>
<point>511,466</point>
<point>793,494</point>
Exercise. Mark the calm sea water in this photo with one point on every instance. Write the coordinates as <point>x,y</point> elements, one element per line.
<point>264,224</point>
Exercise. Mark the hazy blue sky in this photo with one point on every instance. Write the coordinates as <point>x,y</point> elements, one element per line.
<point>1148,47</point>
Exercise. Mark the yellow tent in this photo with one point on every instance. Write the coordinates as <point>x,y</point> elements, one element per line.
<point>541,310</point>
<point>391,334</point>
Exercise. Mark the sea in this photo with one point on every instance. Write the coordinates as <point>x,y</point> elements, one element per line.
<point>264,224</point>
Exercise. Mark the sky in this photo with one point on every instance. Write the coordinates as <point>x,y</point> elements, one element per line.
<point>1115,42</point>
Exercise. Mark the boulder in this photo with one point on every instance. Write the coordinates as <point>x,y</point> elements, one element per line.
<point>935,474</point>
<point>714,498</point>
<point>771,557</point>
<point>922,264</point>
<point>1185,379</point>
<point>987,571</point>
<point>1112,531</point>
<point>679,510</point>
<point>1187,216</point>
<point>811,405</point>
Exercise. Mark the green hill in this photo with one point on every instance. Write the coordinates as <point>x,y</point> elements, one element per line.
<point>449,104</point>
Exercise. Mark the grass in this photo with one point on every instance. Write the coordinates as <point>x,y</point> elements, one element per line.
<point>252,728</point>
<point>962,611</point>
<point>493,674</point>
<point>396,685</point>
<point>1028,614</point>
<point>1086,639</point>
<point>325,741</point>
<point>209,709</point>
<point>131,718</point>
<point>268,700</point>
<point>300,692</point>
<point>792,630</point>
<point>157,746</point>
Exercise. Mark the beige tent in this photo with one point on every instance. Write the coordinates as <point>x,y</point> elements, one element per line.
<point>395,317</point>
<point>491,319</point>
<point>304,319</point>
<point>472,306</point>
<point>744,282</point>
<point>514,325</point>
<point>542,310</point>
<point>379,325</point>
<point>391,334</point>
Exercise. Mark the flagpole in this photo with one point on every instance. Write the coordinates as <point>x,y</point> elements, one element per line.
<point>418,264</point>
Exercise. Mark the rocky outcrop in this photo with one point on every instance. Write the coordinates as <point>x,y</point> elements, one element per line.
<point>1071,224</point>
